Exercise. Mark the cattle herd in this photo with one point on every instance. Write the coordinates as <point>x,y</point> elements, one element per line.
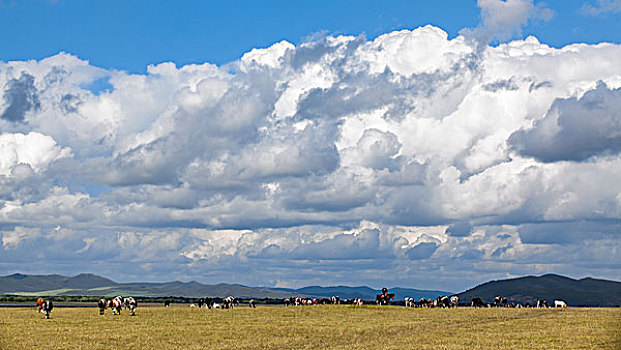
<point>118,303</point>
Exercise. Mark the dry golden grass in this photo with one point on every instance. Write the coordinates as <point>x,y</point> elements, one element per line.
<point>312,327</point>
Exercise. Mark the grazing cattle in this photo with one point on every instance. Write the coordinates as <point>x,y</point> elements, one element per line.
<point>336,300</point>
<point>425,302</point>
<point>357,301</point>
<point>443,301</point>
<point>251,303</point>
<point>102,306</point>
<point>131,304</point>
<point>497,301</point>
<point>287,301</point>
<point>477,302</point>
<point>209,302</point>
<point>559,303</point>
<point>454,301</point>
<point>229,302</point>
<point>46,306</point>
<point>115,304</point>
<point>409,302</point>
<point>201,302</point>
<point>166,303</point>
<point>542,303</point>
<point>192,305</point>
<point>504,301</point>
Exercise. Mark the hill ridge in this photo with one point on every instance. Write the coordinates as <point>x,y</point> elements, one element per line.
<point>527,289</point>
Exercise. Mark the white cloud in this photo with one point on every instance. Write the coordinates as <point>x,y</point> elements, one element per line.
<point>599,7</point>
<point>501,19</point>
<point>12,239</point>
<point>33,149</point>
<point>351,155</point>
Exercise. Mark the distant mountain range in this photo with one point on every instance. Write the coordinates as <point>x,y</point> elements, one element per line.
<point>584,292</point>
<point>90,284</point>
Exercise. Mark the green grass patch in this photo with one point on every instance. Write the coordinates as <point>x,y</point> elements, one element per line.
<point>52,292</point>
<point>100,288</point>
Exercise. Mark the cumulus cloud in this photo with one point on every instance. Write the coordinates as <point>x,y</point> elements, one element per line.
<point>33,150</point>
<point>501,19</point>
<point>403,154</point>
<point>575,129</point>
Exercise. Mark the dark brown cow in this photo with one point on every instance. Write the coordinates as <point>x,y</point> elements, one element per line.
<point>102,304</point>
<point>477,302</point>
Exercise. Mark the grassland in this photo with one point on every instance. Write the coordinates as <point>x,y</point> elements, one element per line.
<point>312,327</point>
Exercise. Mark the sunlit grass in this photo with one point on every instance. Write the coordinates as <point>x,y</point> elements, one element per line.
<point>312,327</point>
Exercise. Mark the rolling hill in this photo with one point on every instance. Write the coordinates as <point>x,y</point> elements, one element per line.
<point>584,292</point>
<point>90,284</point>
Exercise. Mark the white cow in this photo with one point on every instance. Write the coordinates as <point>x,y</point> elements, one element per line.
<point>559,303</point>
<point>454,300</point>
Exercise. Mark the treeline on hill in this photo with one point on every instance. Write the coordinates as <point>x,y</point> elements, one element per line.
<point>150,300</point>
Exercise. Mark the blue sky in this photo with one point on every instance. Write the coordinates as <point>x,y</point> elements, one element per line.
<point>130,35</point>
<point>431,145</point>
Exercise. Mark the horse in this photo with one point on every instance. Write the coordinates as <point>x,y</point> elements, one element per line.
<point>384,298</point>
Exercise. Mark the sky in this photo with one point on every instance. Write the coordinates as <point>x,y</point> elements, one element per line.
<point>432,145</point>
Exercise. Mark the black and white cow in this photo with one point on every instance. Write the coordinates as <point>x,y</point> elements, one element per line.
<point>45,305</point>
<point>443,301</point>
<point>131,304</point>
<point>166,303</point>
<point>497,301</point>
<point>209,302</point>
<point>251,303</point>
<point>542,303</point>
<point>336,300</point>
<point>229,302</point>
<point>102,304</point>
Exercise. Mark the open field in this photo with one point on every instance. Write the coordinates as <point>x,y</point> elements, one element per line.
<point>312,327</point>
